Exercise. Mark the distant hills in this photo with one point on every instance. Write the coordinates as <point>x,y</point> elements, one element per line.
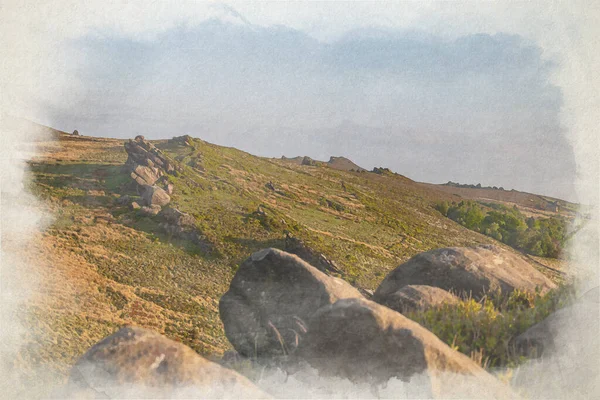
<point>339,163</point>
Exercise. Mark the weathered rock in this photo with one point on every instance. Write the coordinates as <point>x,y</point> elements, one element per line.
<point>135,206</point>
<point>320,261</point>
<point>75,133</point>
<point>145,175</point>
<point>418,297</point>
<point>185,140</point>
<point>153,195</point>
<point>151,211</point>
<point>183,226</point>
<point>177,218</point>
<point>465,270</point>
<point>270,299</point>
<point>308,161</point>
<point>169,188</point>
<point>366,342</point>
<point>137,362</point>
<point>143,153</point>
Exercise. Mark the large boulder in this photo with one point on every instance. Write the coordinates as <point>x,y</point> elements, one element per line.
<point>368,343</point>
<point>136,362</point>
<point>153,195</point>
<point>465,270</point>
<point>271,297</point>
<point>418,298</point>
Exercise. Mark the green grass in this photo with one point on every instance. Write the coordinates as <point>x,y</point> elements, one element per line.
<point>368,226</point>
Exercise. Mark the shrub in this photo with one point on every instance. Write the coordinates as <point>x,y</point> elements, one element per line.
<point>485,330</point>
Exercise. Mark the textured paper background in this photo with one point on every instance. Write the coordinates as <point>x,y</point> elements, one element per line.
<point>34,76</point>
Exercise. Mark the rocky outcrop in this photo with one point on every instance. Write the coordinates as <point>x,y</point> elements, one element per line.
<point>135,363</point>
<point>271,297</point>
<point>75,133</point>
<point>320,261</point>
<point>154,195</point>
<point>465,270</point>
<point>185,140</point>
<point>308,161</point>
<point>365,342</point>
<point>146,163</point>
<point>145,175</point>
<point>150,211</point>
<point>417,298</point>
<point>141,152</point>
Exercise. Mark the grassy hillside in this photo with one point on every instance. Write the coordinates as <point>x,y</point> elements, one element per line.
<point>104,265</point>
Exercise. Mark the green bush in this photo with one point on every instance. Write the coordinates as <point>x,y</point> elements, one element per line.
<point>544,237</point>
<point>485,330</point>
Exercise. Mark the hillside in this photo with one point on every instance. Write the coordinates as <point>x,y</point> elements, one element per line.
<point>532,204</point>
<point>104,264</point>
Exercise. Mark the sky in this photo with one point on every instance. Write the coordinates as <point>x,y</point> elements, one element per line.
<point>433,91</point>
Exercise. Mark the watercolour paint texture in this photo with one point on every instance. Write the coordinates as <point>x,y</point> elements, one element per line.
<point>321,200</point>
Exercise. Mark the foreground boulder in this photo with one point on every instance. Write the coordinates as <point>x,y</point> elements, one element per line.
<point>270,299</point>
<point>368,343</point>
<point>465,270</point>
<point>136,362</point>
<point>418,298</point>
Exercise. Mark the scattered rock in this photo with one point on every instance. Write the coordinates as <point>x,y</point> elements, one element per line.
<point>271,297</point>
<point>260,212</point>
<point>469,270</point>
<point>418,298</point>
<point>151,211</point>
<point>153,195</point>
<point>174,217</point>
<point>135,363</point>
<point>135,206</point>
<point>169,188</point>
<point>296,246</point>
<point>182,226</point>
<point>366,342</point>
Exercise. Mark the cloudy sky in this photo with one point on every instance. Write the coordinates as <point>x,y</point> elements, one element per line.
<point>434,91</point>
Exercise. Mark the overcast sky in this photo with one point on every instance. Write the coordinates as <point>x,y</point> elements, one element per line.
<point>432,91</point>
